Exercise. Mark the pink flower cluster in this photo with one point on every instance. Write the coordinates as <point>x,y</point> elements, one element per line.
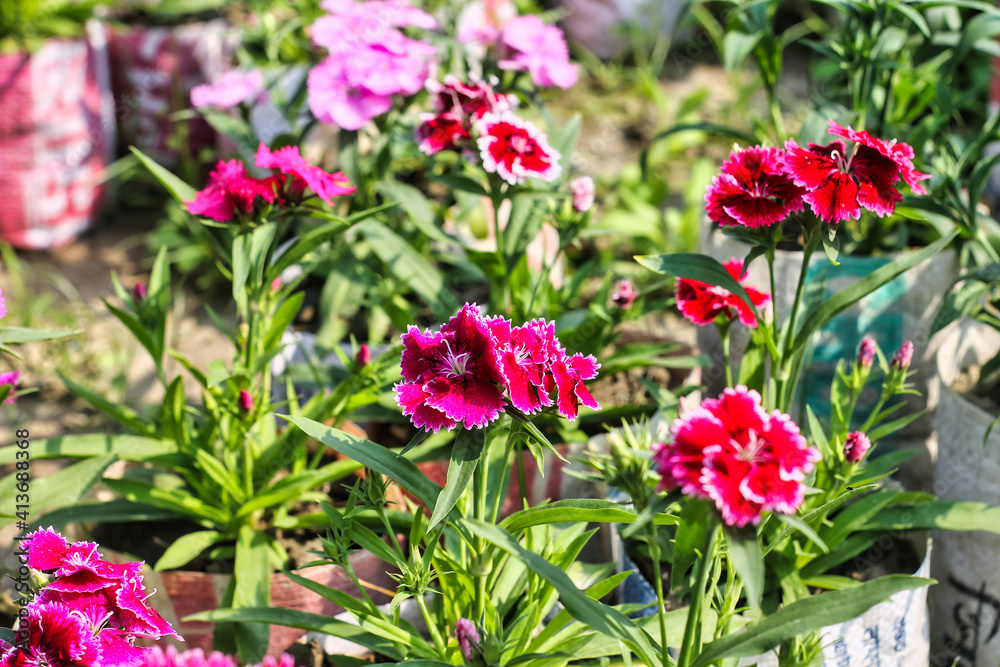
<point>232,190</point>
<point>731,451</point>
<point>10,379</point>
<point>473,367</point>
<point>701,303</point>
<point>472,114</point>
<point>541,50</point>
<point>232,89</point>
<point>89,615</point>
<point>157,657</point>
<point>369,60</point>
<point>758,186</point>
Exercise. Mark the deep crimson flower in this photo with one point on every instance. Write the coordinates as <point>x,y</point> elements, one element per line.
<point>57,637</point>
<point>246,401</point>
<point>467,635</point>
<point>230,189</point>
<point>569,373</point>
<point>515,149</point>
<point>752,190</point>
<point>840,183</point>
<point>439,132</point>
<point>10,379</point>
<point>731,451</point>
<point>702,303</point>
<point>866,352</point>
<point>471,99</point>
<point>289,161</point>
<point>856,446</point>
<point>453,375</point>
<point>363,356</point>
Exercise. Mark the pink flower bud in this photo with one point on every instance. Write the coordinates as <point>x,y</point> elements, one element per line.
<point>246,401</point>
<point>856,446</point>
<point>466,633</point>
<point>139,292</point>
<point>3,306</point>
<point>363,357</point>
<point>624,295</point>
<point>582,188</point>
<point>904,355</point>
<point>276,284</point>
<point>866,353</point>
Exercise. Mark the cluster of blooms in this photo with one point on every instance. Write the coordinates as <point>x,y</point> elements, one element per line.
<point>731,451</point>
<point>231,189</point>
<point>157,657</point>
<point>507,145</point>
<point>369,60</point>
<point>232,89</point>
<point>469,370</point>
<point>89,615</point>
<point>702,303</point>
<point>758,186</point>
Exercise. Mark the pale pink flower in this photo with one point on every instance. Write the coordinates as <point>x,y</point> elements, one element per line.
<point>582,188</point>
<point>467,635</point>
<point>541,50</point>
<point>481,22</point>
<point>334,99</point>
<point>233,88</point>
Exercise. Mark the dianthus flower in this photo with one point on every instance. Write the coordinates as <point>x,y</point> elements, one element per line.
<point>526,356</point>
<point>866,352</point>
<point>233,88</point>
<point>752,190</point>
<point>457,106</point>
<point>334,99</point>
<point>624,295</point>
<point>467,636</point>
<point>158,657</point>
<point>481,22</point>
<point>230,189</point>
<point>582,188</point>
<point>702,303</point>
<point>903,356</point>
<point>10,379</point>
<point>541,50</point>
<point>515,149</point>
<point>569,373</point>
<point>440,132</point>
<point>731,451</point>
<point>451,376</point>
<point>856,446</point>
<point>840,183</point>
<point>56,637</point>
<point>288,160</point>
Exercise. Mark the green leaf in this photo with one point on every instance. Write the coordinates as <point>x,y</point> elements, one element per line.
<point>186,548</point>
<point>463,183</point>
<point>307,243</point>
<point>590,612</point>
<point>180,190</point>
<point>465,457</point>
<point>573,510</point>
<point>177,501</point>
<point>696,267</point>
<point>745,554</point>
<point>940,514</point>
<point>410,267</point>
<point>384,461</point>
<point>305,621</point>
<point>798,524</point>
<point>104,511</point>
<point>417,207</point>
<point>708,128</point>
<point>126,447</point>
<point>737,47</point>
<point>832,249</point>
<point>19,335</point>
<point>60,489</point>
<point>845,298</point>
<point>126,416</point>
<point>252,588</point>
<point>690,539</point>
<point>807,615</point>
<point>284,317</point>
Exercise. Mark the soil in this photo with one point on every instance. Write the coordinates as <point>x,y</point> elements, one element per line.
<point>986,396</point>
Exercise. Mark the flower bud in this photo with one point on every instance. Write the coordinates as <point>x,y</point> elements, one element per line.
<point>467,635</point>
<point>624,295</point>
<point>904,355</point>
<point>363,357</point>
<point>3,306</point>
<point>582,188</point>
<point>866,353</point>
<point>276,284</point>
<point>856,446</point>
<point>246,401</point>
<point>139,292</point>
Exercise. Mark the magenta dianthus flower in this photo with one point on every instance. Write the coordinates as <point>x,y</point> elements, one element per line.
<point>731,451</point>
<point>541,50</point>
<point>903,357</point>
<point>752,190</point>
<point>856,446</point>
<point>866,352</point>
<point>288,160</point>
<point>230,189</point>
<point>467,636</point>
<point>10,379</point>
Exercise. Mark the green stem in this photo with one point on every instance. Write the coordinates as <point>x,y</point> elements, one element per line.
<point>691,644</point>
<point>479,568</point>
<point>654,554</point>
<point>812,238</point>
<point>439,643</point>
<point>357,583</point>
<point>724,330</point>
